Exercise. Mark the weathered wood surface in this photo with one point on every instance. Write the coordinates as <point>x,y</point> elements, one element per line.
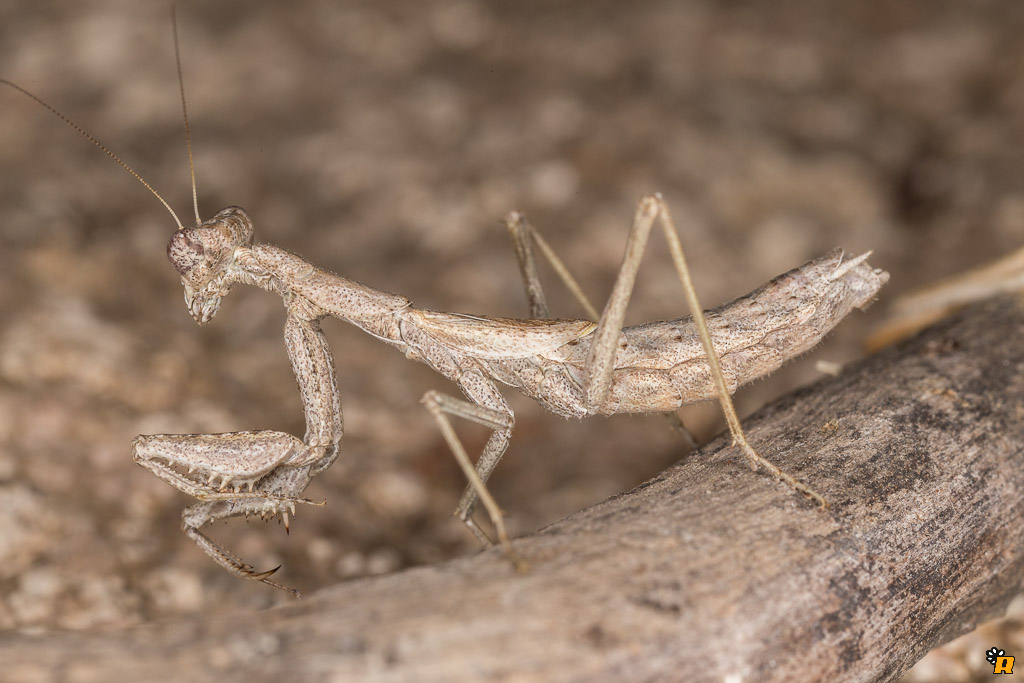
<point>709,572</point>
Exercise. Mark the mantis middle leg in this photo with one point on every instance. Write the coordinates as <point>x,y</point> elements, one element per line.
<point>488,408</point>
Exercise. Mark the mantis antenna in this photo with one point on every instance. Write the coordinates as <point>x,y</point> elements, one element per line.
<point>106,150</point>
<point>184,114</point>
<point>96,142</point>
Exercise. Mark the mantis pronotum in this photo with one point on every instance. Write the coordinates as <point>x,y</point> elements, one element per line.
<point>573,368</point>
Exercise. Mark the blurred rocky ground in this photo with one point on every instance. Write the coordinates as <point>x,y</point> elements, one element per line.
<point>385,141</point>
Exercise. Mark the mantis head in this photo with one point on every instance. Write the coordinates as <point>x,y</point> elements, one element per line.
<point>205,258</point>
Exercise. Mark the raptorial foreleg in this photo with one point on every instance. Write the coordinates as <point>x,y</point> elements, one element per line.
<point>193,463</point>
<point>284,481</point>
<point>231,563</point>
<point>255,472</point>
<point>313,366</point>
<point>253,480</point>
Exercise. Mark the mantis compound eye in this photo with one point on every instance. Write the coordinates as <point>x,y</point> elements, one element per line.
<point>185,251</point>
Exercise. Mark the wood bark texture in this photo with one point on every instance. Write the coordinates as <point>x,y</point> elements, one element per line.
<point>708,572</point>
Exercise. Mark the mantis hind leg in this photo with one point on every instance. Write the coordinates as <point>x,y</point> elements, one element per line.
<point>601,360</point>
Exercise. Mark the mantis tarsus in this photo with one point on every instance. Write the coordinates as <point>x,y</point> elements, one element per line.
<point>572,367</point>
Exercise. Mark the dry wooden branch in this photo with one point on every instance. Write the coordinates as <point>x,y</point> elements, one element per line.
<point>708,572</point>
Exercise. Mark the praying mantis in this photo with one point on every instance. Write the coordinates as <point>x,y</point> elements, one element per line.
<point>574,368</point>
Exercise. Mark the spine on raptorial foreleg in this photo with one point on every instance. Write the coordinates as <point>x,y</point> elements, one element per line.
<point>661,366</point>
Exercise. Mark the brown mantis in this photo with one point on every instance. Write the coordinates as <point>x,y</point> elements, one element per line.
<point>572,367</point>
